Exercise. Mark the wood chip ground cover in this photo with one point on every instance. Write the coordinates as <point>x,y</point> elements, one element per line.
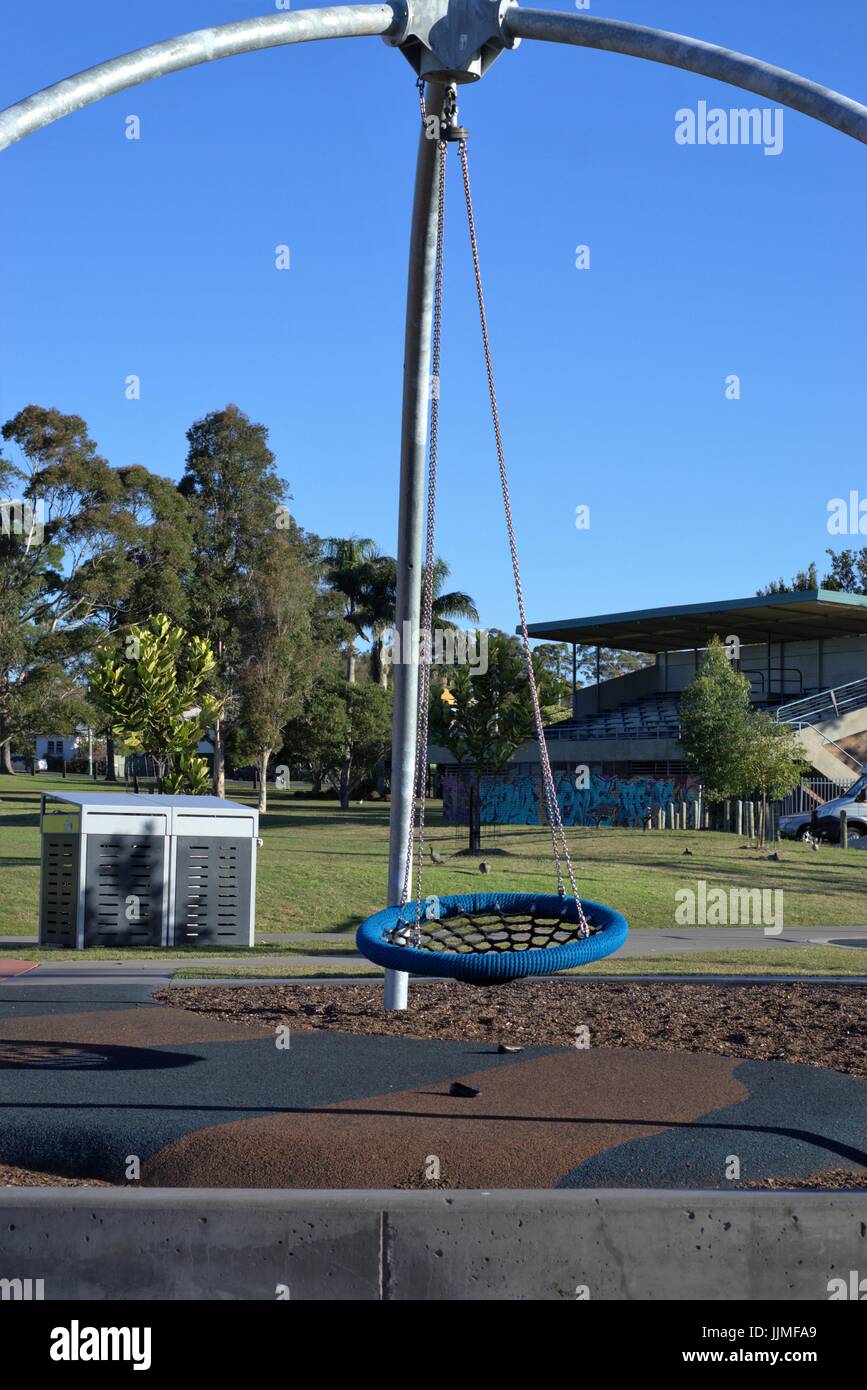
<point>817,1025</point>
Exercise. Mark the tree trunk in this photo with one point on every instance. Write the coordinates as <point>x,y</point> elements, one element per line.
<point>263,760</point>
<point>345,783</point>
<point>475,844</point>
<point>110,774</point>
<point>7,757</point>
<point>316,783</point>
<point>378,666</point>
<point>219,772</point>
<point>350,662</point>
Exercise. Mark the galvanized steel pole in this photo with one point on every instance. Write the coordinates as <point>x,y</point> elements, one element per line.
<point>187,51</point>
<point>708,59</point>
<point>413,441</point>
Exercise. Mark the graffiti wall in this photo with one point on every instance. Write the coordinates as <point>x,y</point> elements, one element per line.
<point>516,800</point>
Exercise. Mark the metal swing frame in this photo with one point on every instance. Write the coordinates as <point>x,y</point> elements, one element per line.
<point>446,41</point>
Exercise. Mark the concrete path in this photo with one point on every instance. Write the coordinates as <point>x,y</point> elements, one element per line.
<point>97,1074</point>
<point>641,944</point>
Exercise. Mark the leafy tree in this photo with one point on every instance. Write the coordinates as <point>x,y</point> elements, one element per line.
<point>344,733</point>
<point>847,575</point>
<point>286,637</point>
<point>158,549</point>
<point>771,762</point>
<point>738,751</point>
<point>482,719</point>
<point>155,698</point>
<point>316,735</point>
<point>556,660</point>
<point>350,571</point>
<point>366,718</point>
<point>611,663</point>
<point>380,606</point>
<point>713,711</point>
<point>802,582</point>
<point>236,501</point>
<point>55,571</point>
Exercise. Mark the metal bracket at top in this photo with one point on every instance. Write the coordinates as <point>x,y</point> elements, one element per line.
<point>451,40</point>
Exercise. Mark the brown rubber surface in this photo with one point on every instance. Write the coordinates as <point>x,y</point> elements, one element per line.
<point>153,1026</point>
<point>532,1122</point>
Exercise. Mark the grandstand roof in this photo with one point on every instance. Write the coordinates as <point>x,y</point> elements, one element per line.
<point>790,617</point>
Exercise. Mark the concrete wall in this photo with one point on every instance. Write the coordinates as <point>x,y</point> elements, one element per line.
<point>844,659</point>
<point>515,799</point>
<point>396,1246</point>
<point>619,691</point>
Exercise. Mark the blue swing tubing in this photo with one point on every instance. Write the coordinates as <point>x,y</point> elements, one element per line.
<point>458,942</point>
<point>482,938</point>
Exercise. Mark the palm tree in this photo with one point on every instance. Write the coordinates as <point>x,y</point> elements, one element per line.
<point>349,570</point>
<point>382,601</point>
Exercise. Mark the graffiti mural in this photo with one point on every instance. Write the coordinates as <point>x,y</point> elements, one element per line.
<point>517,800</point>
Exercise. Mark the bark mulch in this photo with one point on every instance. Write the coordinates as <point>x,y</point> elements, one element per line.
<point>817,1025</point>
<point>26,1177</point>
<point>837,1180</point>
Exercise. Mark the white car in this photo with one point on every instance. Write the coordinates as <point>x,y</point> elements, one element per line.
<point>19,765</point>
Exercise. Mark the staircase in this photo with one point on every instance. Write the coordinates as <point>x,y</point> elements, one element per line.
<point>822,720</point>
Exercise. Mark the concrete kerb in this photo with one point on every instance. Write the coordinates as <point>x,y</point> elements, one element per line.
<point>207,1244</point>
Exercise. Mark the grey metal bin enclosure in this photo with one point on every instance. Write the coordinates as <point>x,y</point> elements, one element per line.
<point>214,872</point>
<point>123,870</point>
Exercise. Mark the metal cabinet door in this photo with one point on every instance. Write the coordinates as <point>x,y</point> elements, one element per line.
<point>58,898</point>
<point>212,890</point>
<point>124,890</point>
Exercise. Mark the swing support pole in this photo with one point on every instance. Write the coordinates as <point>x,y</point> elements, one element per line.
<point>413,440</point>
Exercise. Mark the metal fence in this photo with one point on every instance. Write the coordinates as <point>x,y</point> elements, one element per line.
<point>812,792</point>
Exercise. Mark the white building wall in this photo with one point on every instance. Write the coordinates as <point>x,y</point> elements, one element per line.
<point>795,666</point>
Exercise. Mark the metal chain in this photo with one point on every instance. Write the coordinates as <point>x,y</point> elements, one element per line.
<point>415,841</point>
<point>552,805</point>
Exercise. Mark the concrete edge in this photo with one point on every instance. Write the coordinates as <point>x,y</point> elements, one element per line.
<point>379,1246</point>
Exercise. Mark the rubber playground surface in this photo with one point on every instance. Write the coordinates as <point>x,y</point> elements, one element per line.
<point>90,1075</point>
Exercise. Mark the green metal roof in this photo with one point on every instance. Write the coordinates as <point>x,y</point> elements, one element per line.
<point>792,617</point>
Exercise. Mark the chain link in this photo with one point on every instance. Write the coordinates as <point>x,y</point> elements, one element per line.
<point>415,841</point>
<point>552,805</point>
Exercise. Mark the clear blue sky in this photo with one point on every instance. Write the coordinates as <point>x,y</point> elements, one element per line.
<point>156,258</point>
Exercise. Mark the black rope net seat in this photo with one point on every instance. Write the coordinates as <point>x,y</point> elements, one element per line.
<point>489,938</point>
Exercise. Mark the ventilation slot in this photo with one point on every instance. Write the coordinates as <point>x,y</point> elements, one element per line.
<point>59,890</point>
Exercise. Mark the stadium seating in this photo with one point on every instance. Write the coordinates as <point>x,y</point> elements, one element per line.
<point>654,716</point>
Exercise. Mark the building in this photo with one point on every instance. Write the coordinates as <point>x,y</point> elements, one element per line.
<point>804,654</point>
<point>59,748</point>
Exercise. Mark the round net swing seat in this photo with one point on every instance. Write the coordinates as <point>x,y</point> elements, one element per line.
<point>489,938</point>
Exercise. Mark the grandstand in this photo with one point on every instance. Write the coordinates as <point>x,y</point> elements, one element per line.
<point>804,654</point>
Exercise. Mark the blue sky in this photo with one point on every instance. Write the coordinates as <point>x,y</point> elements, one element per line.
<point>156,258</point>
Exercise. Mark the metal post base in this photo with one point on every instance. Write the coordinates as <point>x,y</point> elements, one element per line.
<point>396,993</point>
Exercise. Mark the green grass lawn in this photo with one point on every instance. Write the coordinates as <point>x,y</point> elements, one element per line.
<point>104,954</point>
<point>325,870</point>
